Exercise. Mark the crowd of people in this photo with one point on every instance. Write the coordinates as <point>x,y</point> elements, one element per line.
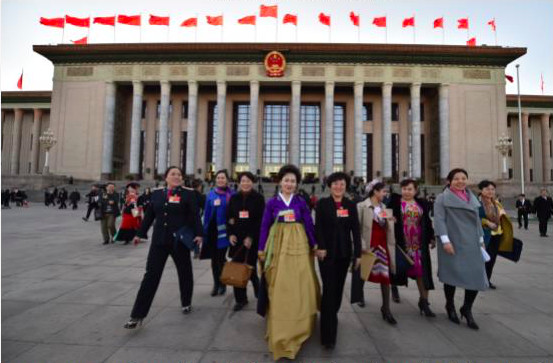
<point>19,197</point>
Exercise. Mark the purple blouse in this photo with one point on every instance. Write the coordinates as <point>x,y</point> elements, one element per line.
<point>301,213</point>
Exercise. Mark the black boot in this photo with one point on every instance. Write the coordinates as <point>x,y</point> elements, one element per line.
<point>395,294</point>
<point>424,307</point>
<point>387,316</point>
<point>451,314</point>
<point>215,290</point>
<point>467,314</point>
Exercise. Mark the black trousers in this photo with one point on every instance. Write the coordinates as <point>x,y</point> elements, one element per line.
<point>492,250</point>
<point>357,284</point>
<point>522,215</point>
<point>157,256</point>
<point>74,204</point>
<point>240,255</point>
<point>333,274</point>
<point>91,207</point>
<point>218,259</point>
<point>543,226</point>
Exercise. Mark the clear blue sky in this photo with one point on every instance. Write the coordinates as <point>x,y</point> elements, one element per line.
<point>522,23</point>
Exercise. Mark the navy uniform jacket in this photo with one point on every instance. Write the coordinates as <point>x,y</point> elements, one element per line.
<point>168,217</point>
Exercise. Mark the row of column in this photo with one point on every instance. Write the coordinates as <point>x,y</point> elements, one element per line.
<point>16,140</point>
<point>545,137</point>
<point>254,162</point>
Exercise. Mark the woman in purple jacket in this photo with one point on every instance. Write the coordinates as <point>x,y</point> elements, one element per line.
<point>285,252</point>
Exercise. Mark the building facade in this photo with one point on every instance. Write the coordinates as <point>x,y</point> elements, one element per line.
<point>372,110</point>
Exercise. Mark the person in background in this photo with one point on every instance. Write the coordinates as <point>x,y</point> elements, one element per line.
<point>62,198</point>
<point>132,215</point>
<point>543,205</point>
<point>74,198</point>
<point>524,207</point>
<point>93,198</point>
<point>109,205</point>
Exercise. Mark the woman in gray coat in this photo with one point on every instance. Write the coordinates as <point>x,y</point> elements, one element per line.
<point>460,256</point>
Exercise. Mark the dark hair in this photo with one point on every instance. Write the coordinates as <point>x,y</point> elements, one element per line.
<point>248,175</point>
<point>289,169</point>
<point>452,173</point>
<point>521,195</point>
<point>378,186</point>
<point>171,168</point>
<point>196,183</point>
<point>110,183</point>
<point>339,175</point>
<point>222,171</point>
<point>485,183</point>
<point>406,182</point>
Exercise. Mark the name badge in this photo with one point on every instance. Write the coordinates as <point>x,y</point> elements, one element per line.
<point>111,202</point>
<point>244,214</point>
<point>217,202</point>
<point>342,213</point>
<point>289,215</point>
<point>174,199</point>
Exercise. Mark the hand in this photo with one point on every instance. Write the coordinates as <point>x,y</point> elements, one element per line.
<point>248,242</point>
<point>198,240</point>
<point>492,225</point>
<point>357,264</point>
<point>321,254</point>
<point>136,241</point>
<point>432,244</point>
<point>448,248</point>
<point>232,239</point>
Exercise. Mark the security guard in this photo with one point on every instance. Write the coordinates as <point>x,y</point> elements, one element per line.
<point>171,207</point>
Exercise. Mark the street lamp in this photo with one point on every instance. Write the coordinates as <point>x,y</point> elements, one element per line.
<point>504,145</point>
<point>47,140</point>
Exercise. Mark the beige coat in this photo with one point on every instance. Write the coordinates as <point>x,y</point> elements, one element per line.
<point>365,213</point>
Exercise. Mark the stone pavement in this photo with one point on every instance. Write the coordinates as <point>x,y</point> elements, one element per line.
<point>65,298</point>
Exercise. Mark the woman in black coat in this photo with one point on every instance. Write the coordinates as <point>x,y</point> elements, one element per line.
<point>339,239</point>
<point>171,209</point>
<point>245,212</point>
<point>421,239</point>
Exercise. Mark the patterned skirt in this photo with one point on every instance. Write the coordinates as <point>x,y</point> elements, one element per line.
<point>380,272</point>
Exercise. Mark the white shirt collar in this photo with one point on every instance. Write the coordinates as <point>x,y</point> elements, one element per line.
<point>284,199</point>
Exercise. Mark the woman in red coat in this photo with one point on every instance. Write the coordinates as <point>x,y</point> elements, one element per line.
<point>132,215</point>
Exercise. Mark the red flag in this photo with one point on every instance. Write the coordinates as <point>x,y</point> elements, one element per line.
<point>408,22</point>
<point>541,83</point>
<point>20,81</point>
<point>215,20</point>
<point>105,20</point>
<point>381,21</point>
<point>80,41</point>
<point>289,18</point>
<point>509,78</point>
<point>247,20</point>
<point>354,18</point>
<point>190,22</point>
<point>83,22</point>
<point>492,24</point>
<point>463,23</point>
<point>471,42</point>
<point>268,11</point>
<point>159,20</point>
<point>129,20</point>
<point>439,23</point>
<point>324,19</point>
<point>55,22</point>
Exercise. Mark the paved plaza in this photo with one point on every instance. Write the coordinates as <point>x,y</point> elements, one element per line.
<point>65,298</point>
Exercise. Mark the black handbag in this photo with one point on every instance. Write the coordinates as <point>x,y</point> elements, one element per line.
<point>513,255</point>
<point>185,235</point>
<point>262,297</point>
<point>98,215</point>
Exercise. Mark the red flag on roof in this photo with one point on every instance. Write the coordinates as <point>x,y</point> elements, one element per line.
<point>190,22</point>
<point>80,41</point>
<point>492,24</point>
<point>247,20</point>
<point>439,23</point>
<point>82,22</point>
<point>105,20</point>
<point>129,20</point>
<point>324,19</point>
<point>509,78</point>
<point>471,42</point>
<point>463,23</point>
<point>408,22</point>
<point>20,81</point>
<point>159,20</point>
<point>55,22</point>
<point>289,18</point>
<point>215,20</point>
<point>380,21</point>
<point>354,18</point>
<point>268,11</point>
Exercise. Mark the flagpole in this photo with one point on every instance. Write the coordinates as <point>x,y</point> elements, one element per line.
<point>196,29</point>
<point>222,25</point>
<point>386,28</point>
<point>140,29</point>
<point>296,26</point>
<point>468,27</point>
<point>114,24</point>
<point>168,29</point>
<point>276,29</point>
<point>443,31</point>
<point>255,32</point>
<point>89,24</point>
<point>520,133</point>
<point>63,31</point>
<point>329,34</point>
<point>495,31</point>
<point>359,30</point>
<point>414,36</point>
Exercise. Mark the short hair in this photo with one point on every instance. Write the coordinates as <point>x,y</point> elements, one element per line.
<point>110,183</point>
<point>378,186</point>
<point>522,195</point>
<point>171,168</point>
<point>196,183</point>
<point>289,169</point>
<point>222,171</point>
<point>339,175</point>
<point>486,183</point>
<point>452,173</point>
<point>248,175</point>
<point>406,182</point>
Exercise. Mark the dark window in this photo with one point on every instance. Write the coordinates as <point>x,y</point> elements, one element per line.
<point>529,123</point>
<point>240,140</point>
<point>510,173</point>
<point>510,153</point>
<point>550,149</point>
<point>508,121</point>
<point>422,111</point>
<point>31,146</point>
<point>211,132</point>
<point>367,158</point>
<point>530,148</point>
<point>423,165</point>
<point>310,133</point>
<point>183,151</point>
<point>276,128</point>
<point>395,157</point>
<point>142,151</point>
<point>395,111</point>
<point>551,176</point>
<point>339,134</point>
<point>367,112</point>
<point>531,175</point>
<point>184,109</point>
<point>29,171</point>
<point>144,108</point>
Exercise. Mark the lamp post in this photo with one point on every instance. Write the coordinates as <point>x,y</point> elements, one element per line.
<point>503,145</point>
<point>47,140</point>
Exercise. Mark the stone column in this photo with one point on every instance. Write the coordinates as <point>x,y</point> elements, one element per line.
<point>546,159</point>
<point>254,107</point>
<point>358,128</point>
<point>387,130</point>
<point>525,147</point>
<point>221,125</point>
<point>109,121</point>
<point>295,124</point>
<point>444,129</point>
<point>163,130</point>
<point>416,129</point>
<point>16,141</point>
<point>191,130</point>
<point>329,128</point>
<point>37,120</point>
<point>136,118</point>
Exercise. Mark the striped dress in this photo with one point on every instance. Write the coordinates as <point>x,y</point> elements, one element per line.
<point>380,272</point>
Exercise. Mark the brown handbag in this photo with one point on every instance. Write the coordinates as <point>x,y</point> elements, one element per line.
<point>236,274</point>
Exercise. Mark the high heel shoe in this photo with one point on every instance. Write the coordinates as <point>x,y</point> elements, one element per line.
<point>467,314</point>
<point>451,314</point>
<point>387,316</point>
<point>133,323</point>
<point>424,307</point>
<point>215,290</point>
